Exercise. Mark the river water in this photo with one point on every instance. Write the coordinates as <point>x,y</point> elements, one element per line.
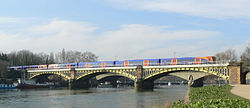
<point>91,98</point>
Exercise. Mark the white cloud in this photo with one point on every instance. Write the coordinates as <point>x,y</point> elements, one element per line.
<point>129,42</point>
<point>204,8</point>
<point>140,41</point>
<point>8,20</point>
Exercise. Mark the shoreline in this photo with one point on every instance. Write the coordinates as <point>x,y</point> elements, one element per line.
<point>186,98</point>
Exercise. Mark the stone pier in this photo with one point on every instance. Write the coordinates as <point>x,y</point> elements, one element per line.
<point>74,84</point>
<point>140,84</point>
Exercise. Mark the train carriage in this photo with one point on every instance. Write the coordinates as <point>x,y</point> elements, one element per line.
<point>42,67</point>
<point>108,63</point>
<point>102,64</point>
<point>151,62</point>
<point>204,60</point>
<point>125,63</point>
<point>88,65</point>
<point>187,60</point>
<point>167,61</point>
<point>15,68</point>
<point>53,66</point>
<point>62,66</point>
<point>83,65</point>
<point>26,67</point>
<point>36,67</point>
<point>144,62</point>
<point>32,67</point>
<point>71,65</point>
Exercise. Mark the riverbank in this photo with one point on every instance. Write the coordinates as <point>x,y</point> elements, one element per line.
<point>213,96</point>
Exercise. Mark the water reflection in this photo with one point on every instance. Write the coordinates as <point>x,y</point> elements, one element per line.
<point>91,98</point>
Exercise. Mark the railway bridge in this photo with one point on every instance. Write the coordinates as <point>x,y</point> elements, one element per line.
<point>144,76</point>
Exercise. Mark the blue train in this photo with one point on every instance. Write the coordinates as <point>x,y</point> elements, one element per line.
<point>125,63</point>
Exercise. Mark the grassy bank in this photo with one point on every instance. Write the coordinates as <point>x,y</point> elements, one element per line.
<point>213,96</point>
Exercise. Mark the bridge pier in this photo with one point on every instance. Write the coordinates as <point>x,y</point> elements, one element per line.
<point>24,74</point>
<point>72,81</point>
<point>83,84</point>
<point>144,85</point>
<point>140,84</point>
<point>75,84</point>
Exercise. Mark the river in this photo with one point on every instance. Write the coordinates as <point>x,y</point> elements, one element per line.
<point>91,98</point>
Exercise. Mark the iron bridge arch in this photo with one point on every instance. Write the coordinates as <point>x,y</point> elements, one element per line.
<point>62,74</point>
<point>152,74</point>
<point>128,73</point>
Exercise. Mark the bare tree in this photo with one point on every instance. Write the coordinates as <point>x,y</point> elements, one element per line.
<point>25,57</point>
<point>3,68</point>
<point>51,58</point>
<point>63,55</point>
<point>228,55</point>
<point>245,56</point>
<point>89,56</point>
<point>75,56</point>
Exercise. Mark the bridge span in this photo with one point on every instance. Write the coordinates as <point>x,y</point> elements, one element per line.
<point>144,76</point>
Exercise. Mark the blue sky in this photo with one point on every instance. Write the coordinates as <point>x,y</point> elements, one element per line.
<point>125,29</point>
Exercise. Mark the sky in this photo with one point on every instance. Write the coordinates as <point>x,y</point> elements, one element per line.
<point>126,29</point>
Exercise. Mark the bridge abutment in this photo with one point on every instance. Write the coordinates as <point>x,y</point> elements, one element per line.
<point>83,84</point>
<point>235,73</point>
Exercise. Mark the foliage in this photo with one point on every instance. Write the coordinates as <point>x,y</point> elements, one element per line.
<point>213,97</point>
